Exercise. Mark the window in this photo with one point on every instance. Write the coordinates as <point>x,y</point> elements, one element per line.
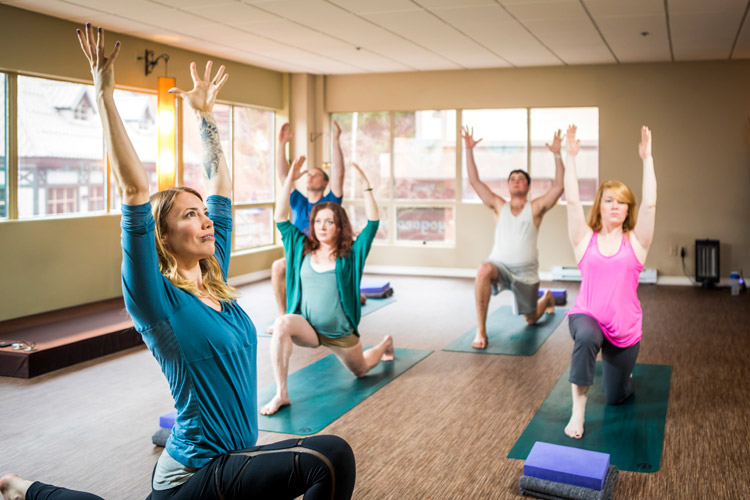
<point>138,113</point>
<point>3,153</point>
<point>60,157</point>
<point>253,161</point>
<point>504,134</point>
<point>413,175</point>
<point>506,146</point>
<point>191,144</point>
<point>247,139</point>
<point>544,122</point>
<point>424,148</point>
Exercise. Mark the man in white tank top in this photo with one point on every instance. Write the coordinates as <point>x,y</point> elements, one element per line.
<point>513,263</point>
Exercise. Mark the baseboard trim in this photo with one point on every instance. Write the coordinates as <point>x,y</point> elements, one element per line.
<point>245,279</point>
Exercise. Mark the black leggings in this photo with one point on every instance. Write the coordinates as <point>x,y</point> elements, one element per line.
<point>320,467</point>
<point>617,362</point>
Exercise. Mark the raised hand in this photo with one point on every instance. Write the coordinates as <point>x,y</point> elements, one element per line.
<point>295,171</point>
<point>644,148</point>
<point>336,131</point>
<point>203,95</point>
<point>102,68</point>
<point>284,134</point>
<point>556,142</point>
<point>468,135</point>
<point>363,177</point>
<point>570,137</point>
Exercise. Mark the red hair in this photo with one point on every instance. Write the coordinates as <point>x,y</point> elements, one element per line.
<point>344,237</point>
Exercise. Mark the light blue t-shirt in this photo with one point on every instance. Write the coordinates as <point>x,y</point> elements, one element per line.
<point>208,356</point>
<point>320,304</point>
<point>301,208</point>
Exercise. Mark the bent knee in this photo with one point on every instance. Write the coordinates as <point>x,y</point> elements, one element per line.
<point>531,319</point>
<point>486,272</point>
<point>359,372</point>
<point>282,326</point>
<point>279,267</point>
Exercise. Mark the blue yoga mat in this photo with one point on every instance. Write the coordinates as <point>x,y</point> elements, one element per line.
<point>632,433</point>
<point>325,390</point>
<point>370,306</point>
<point>508,333</point>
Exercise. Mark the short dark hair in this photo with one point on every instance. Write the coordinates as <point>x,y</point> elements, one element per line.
<point>325,175</point>
<point>519,171</point>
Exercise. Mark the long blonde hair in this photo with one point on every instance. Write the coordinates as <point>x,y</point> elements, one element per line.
<point>213,280</point>
<point>621,193</point>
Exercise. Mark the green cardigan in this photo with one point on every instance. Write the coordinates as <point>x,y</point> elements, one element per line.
<point>349,269</point>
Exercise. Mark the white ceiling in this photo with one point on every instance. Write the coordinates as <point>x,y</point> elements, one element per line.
<point>368,36</point>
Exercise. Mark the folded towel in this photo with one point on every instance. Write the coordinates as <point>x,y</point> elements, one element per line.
<point>552,490</point>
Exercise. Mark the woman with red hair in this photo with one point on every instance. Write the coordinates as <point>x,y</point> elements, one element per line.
<point>323,275</point>
<point>610,249</point>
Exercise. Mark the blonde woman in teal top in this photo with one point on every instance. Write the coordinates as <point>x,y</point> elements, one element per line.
<point>323,275</point>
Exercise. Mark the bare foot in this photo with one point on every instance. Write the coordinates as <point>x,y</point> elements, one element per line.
<point>13,487</point>
<point>362,299</point>
<point>550,302</point>
<point>274,405</point>
<point>480,341</point>
<point>269,330</point>
<point>389,353</point>
<point>574,428</point>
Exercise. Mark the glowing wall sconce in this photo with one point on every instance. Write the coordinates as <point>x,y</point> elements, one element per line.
<point>166,160</point>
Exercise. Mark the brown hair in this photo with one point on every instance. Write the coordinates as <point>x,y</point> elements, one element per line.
<point>621,193</point>
<point>345,236</point>
<point>213,280</point>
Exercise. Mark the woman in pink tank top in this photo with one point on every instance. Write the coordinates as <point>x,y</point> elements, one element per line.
<point>610,249</point>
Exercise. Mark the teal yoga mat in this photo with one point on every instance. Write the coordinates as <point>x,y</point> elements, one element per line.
<point>370,306</point>
<point>325,390</point>
<point>508,333</point>
<point>632,433</point>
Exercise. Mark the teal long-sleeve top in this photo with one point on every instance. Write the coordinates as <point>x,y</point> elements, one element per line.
<point>349,269</point>
<point>207,356</point>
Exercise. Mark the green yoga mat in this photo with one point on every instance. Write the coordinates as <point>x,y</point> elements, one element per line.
<point>370,306</point>
<point>508,333</point>
<point>632,432</point>
<point>325,390</point>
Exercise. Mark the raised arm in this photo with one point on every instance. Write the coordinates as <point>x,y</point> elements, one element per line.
<point>282,164</point>
<point>644,227</point>
<point>337,168</point>
<point>202,98</point>
<point>130,176</point>
<point>371,206</point>
<point>281,213</point>
<point>542,204</point>
<point>578,231</point>
<point>486,194</point>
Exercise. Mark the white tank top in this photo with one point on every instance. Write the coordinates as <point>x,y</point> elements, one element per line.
<point>515,243</point>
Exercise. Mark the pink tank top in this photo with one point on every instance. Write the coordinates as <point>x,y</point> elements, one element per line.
<point>608,292</point>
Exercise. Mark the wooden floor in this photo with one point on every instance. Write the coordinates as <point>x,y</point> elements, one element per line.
<point>440,431</point>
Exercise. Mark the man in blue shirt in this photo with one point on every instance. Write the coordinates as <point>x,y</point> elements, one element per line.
<point>317,183</point>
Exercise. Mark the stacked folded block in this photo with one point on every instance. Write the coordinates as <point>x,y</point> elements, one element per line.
<point>166,422</point>
<point>560,472</point>
<point>376,289</point>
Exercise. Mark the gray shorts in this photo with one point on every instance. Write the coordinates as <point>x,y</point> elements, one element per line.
<point>526,295</point>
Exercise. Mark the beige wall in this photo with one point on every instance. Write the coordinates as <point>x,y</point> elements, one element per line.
<point>56,263</point>
<point>698,113</point>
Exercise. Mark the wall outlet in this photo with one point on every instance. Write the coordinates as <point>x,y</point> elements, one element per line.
<point>673,250</point>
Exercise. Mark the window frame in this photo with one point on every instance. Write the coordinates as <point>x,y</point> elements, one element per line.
<point>10,95</point>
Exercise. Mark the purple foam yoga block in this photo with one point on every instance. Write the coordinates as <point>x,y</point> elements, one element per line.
<point>167,421</point>
<point>564,464</point>
<point>560,295</point>
<point>374,286</point>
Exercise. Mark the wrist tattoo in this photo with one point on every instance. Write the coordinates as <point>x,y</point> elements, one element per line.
<point>211,145</point>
